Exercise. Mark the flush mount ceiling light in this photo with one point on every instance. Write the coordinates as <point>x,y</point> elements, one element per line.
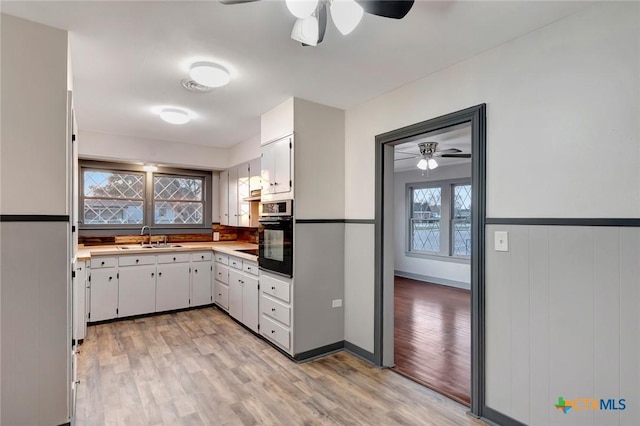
<point>150,168</point>
<point>175,115</point>
<point>209,74</point>
<point>346,15</point>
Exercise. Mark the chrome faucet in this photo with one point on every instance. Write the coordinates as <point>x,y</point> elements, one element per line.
<point>142,233</point>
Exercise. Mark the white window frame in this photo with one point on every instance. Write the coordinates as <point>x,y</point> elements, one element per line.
<point>446,206</point>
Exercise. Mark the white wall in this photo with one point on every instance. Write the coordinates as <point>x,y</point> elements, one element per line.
<point>556,98</point>
<point>244,151</point>
<point>102,146</point>
<point>443,272</point>
<point>34,118</point>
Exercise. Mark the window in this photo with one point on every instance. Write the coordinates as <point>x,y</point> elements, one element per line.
<point>119,196</point>
<point>425,219</point>
<point>113,198</point>
<point>177,200</point>
<point>461,221</point>
<point>439,218</point>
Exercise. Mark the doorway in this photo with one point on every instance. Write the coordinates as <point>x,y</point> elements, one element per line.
<point>475,119</point>
<point>432,248</point>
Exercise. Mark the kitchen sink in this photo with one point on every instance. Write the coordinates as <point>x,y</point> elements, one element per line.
<point>164,246</point>
<point>148,246</point>
<point>134,247</point>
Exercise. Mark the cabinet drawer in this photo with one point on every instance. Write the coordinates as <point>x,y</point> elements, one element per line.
<point>201,257</point>
<point>275,309</point>
<point>275,332</point>
<point>275,287</point>
<point>222,295</point>
<point>173,258</point>
<point>234,262</point>
<point>222,258</point>
<point>136,260</point>
<point>103,262</point>
<point>250,267</point>
<point>222,273</point>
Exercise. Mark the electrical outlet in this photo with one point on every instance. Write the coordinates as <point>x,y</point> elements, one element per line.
<point>336,303</point>
<point>216,236</point>
<point>501,241</point>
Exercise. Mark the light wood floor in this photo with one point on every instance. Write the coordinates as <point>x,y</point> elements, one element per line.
<point>199,367</point>
<point>432,336</point>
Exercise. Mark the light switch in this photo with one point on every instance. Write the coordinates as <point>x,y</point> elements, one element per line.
<point>502,241</point>
<point>337,303</point>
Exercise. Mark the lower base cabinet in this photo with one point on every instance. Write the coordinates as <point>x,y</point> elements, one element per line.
<point>237,289</point>
<point>137,290</point>
<point>103,303</point>
<point>172,287</point>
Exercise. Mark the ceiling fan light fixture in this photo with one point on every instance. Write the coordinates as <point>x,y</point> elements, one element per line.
<point>432,164</point>
<point>175,116</point>
<point>423,164</point>
<point>301,8</point>
<point>346,15</point>
<point>306,31</point>
<point>209,74</point>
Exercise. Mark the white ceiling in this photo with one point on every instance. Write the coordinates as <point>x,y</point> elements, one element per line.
<point>130,56</point>
<point>406,154</point>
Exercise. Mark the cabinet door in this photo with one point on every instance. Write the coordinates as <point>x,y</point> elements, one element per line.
<point>137,290</point>
<point>243,192</point>
<point>255,170</point>
<point>282,159</point>
<point>235,294</point>
<point>224,197</point>
<point>250,309</point>
<point>172,286</point>
<point>104,294</point>
<point>233,196</point>
<point>267,169</point>
<point>200,283</point>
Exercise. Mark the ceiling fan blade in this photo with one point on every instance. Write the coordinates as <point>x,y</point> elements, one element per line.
<point>449,151</point>
<point>236,1</point>
<point>396,9</point>
<point>322,23</point>
<point>455,156</point>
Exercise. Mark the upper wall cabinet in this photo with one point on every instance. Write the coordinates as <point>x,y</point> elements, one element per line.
<point>277,182</point>
<point>236,185</point>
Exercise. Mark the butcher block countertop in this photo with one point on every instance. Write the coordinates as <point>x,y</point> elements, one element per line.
<point>227,247</point>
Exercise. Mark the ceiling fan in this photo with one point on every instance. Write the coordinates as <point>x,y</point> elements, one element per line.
<point>311,25</point>
<point>429,150</point>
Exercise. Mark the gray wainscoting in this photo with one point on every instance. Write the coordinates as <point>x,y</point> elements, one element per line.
<point>563,319</point>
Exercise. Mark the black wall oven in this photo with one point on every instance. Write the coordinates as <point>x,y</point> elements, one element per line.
<point>276,237</point>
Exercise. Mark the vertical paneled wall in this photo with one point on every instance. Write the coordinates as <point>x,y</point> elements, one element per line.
<point>563,307</point>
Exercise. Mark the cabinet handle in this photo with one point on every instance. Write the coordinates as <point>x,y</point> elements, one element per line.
<point>249,267</point>
<point>196,271</point>
<point>270,184</point>
<point>174,259</point>
<point>110,278</point>
<point>273,309</point>
<point>273,331</point>
<point>202,257</point>
<point>273,288</point>
<point>137,260</point>
<point>101,263</point>
<point>159,274</point>
<point>219,294</point>
<point>152,274</point>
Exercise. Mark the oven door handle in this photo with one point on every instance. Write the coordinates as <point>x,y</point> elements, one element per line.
<point>274,222</point>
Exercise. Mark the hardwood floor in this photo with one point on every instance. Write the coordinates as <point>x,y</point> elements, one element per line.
<point>199,367</point>
<point>432,336</point>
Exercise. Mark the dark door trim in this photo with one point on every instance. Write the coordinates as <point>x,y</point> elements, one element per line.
<point>476,116</point>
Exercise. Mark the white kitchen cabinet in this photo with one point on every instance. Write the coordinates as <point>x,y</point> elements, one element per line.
<point>224,197</point>
<point>244,211</point>
<point>250,296</point>
<point>276,169</point>
<point>243,292</point>
<point>79,301</point>
<point>255,169</point>
<point>233,196</point>
<point>235,293</point>
<point>137,289</point>
<point>276,309</point>
<point>104,294</point>
<point>221,281</point>
<point>172,286</point>
<point>201,270</point>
